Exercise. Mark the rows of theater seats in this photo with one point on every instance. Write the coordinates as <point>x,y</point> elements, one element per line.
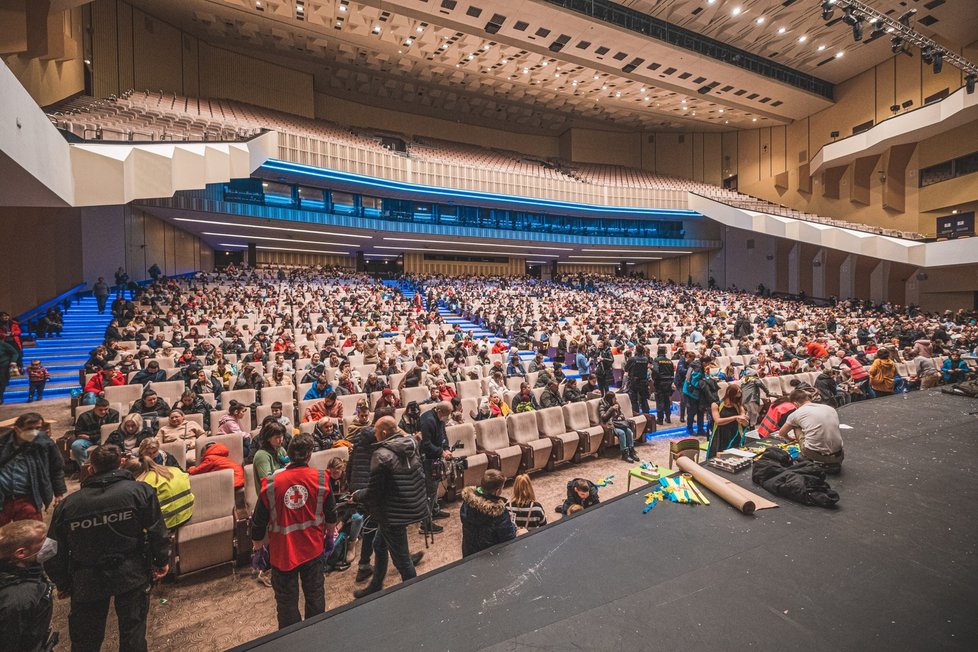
<point>158,116</point>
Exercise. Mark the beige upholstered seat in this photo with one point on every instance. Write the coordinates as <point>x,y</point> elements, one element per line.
<point>523,432</point>
<point>566,441</point>
<point>576,418</point>
<point>492,435</point>
<point>478,462</point>
<point>207,539</point>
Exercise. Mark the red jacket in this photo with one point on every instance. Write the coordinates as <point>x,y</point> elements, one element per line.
<point>97,384</point>
<point>299,506</point>
<point>216,458</point>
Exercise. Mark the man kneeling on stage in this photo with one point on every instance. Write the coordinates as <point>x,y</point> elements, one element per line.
<point>816,427</point>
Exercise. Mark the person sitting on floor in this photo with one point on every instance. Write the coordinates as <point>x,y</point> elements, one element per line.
<point>816,427</point>
<point>579,492</point>
<point>485,519</point>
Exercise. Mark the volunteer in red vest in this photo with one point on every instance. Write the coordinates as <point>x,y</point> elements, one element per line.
<point>858,374</point>
<point>776,415</point>
<point>298,511</point>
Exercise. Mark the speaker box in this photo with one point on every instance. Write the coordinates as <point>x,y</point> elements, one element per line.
<point>361,262</point>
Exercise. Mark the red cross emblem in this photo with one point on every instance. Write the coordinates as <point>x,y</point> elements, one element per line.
<point>296,496</point>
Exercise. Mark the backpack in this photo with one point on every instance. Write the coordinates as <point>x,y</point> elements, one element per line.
<point>969,389</point>
<point>709,389</point>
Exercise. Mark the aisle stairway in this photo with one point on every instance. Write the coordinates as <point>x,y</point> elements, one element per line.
<point>65,356</point>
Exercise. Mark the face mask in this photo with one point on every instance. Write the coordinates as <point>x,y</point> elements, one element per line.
<point>48,550</point>
<point>30,435</point>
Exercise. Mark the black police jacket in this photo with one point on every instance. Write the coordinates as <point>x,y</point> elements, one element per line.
<point>109,533</point>
<point>25,608</point>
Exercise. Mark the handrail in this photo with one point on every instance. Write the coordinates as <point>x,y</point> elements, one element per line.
<point>25,319</point>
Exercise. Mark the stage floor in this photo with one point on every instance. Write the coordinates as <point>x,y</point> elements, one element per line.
<point>893,567</point>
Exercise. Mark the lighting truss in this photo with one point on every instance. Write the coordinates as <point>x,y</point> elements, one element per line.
<point>908,35</point>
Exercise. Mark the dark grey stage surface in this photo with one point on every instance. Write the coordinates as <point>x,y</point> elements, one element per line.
<point>893,568</point>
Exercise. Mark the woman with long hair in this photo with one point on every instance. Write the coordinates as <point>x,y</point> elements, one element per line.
<point>172,486</point>
<point>729,420</point>
<point>527,512</point>
<point>270,456</point>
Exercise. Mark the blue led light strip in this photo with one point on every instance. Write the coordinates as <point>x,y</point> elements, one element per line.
<point>385,184</point>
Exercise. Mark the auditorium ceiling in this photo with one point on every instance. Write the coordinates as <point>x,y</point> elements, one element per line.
<point>535,66</point>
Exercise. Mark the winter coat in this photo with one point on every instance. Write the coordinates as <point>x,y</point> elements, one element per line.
<point>395,494</point>
<point>574,499</point>
<point>109,534</point>
<point>485,521</point>
<point>798,480</point>
<point>25,607</point>
<point>45,467</point>
<point>358,466</point>
<point>217,457</point>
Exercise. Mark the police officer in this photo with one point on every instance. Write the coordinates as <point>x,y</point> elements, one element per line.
<point>111,544</point>
<point>298,511</point>
<point>663,375</point>
<point>637,369</point>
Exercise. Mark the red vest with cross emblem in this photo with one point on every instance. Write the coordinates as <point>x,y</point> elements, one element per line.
<point>296,498</point>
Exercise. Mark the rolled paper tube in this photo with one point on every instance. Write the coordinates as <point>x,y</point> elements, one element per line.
<point>740,498</point>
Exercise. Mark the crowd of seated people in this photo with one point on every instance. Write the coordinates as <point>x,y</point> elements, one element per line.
<point>221,371</point>
<point>328,345</point>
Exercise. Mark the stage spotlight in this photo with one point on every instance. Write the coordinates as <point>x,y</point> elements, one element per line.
<point>927,54</point>
<point>907,104</point>
<point>938,61</point>
<point>896,44</point>
<point>857,31</point>
<point>848,17</point>
<point>969,83</point>
<point>878,29</point>
<point>827,9</point>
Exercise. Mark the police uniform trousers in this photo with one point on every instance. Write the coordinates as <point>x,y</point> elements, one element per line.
<point>311,576</point>
<point>86,622</point>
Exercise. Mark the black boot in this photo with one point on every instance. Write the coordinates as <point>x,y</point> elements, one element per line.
<point>363,573</point>
<point>633,455</point>
<point>626,456</point>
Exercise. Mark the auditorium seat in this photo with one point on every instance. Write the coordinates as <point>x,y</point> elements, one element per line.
<point>234,442</point>
<point>244,396</point>
<point>477,462</point>
<point>566,441</point>
<point>575,418</point>
<point>640,421</point>
<point>492,435</point>
<point>320,459</point>
<point>178,449</point>
<point>251,493</point>
<point>123,393</point>
<point>207,539</point>
<point>418,394</point>
<point>524,433</point>
<point>265,410</point>
<point>271,394</point>
<point>469,389</point>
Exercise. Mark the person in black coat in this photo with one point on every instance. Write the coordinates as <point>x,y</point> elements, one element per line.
<point>485,519</point>
<point>25,592</point>
<point>33,469</point>
<point>358,477</point>
<point>579,492</point>
<point>434,446</point>
<point>151,374</point>
<point>395,498</point>
<point>112,543</point>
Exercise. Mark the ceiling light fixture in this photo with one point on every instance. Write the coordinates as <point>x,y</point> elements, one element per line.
<point>481,244</point>
<point>457,251</point>
<point>271,228</point>
<point>760,21</point>
<point>261,237</point>
<point>782,30</point>
<point>735,11</point>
